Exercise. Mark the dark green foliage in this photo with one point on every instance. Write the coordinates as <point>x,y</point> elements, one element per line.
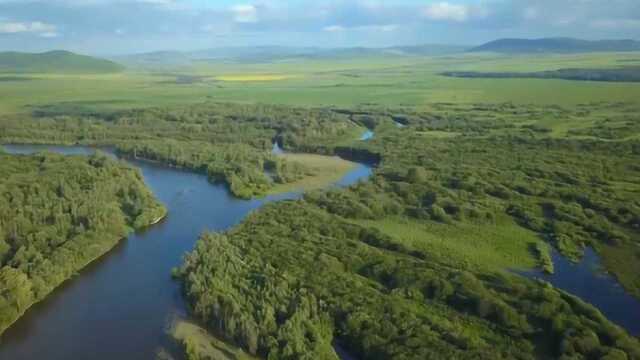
<point>240,166</point>
<point>625,74</point>
<point>56,215</point>
<point>229,143</point>
<point>292,278</point>
<point>574,193</point>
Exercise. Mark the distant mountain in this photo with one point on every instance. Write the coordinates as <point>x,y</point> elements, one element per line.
<point>428,50</point>
<point>265,54</point>
<point>416,50</point>
<point>55,62</point>
<point>159,59</point>
<point>556,45</point>
<point>156,58</point>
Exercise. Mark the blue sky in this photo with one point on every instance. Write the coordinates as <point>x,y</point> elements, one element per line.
<point>131,26</point>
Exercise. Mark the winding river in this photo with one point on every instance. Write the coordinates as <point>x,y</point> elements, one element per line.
<point>119,306</point>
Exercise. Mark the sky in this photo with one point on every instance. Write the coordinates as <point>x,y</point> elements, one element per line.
<point>112,27</point>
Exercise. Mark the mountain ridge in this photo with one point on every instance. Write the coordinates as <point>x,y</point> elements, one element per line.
<point>55,61</point>
<point>556,45</point>
<point>281,53</point>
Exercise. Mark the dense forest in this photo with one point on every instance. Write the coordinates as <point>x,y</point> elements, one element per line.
<point>59,213</point>
<point>516,175</point>
<point>381,297</point>
<point>625,74</point>
<point>573,193</point>
<point>376,297</point>
<point>229,143</point>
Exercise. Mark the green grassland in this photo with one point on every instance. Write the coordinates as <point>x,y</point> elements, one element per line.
<point>384,81</point>
<point>198,344</point>
<point>62,62</point>
<point>320,172</point>
<point>497,246</point>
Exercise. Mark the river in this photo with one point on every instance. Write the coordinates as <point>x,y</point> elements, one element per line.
<point>119,306</point>
<point>587,281</point>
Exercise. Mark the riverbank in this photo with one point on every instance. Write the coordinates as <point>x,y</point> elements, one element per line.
<point>97,217</point>
<point>197,343</point>
<point>121,302</point>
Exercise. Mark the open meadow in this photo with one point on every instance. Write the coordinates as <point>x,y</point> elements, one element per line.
<point>381,81</point>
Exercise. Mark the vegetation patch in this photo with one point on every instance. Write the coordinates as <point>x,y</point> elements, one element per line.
<point>16,78</point>
<point>55,62</point>
<point>496,246</point>
<point>292,278</point>
<point>229,143</point>
<point>199,344</point>
<point>626,74</point>
<point>185,79</point>
<point>319,171</point>
<point>76,108</point>
<point>57,214</point>
<point>253,77</point>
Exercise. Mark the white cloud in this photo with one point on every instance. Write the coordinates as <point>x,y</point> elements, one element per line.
<point>447,12</point>
<point>245,13</point>
<point>370,28</point>
<point>334,28</point>
<point>564,21</point>
<point>387,28</point>
<point>27,27</point>
<point>50,34</point>
<point>377,28</point>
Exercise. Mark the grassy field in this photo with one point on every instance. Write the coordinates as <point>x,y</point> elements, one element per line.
<point>324,171</point>
<point>503,245</point>
<point>252,77</point>
<point>385,81</point>
<point>199,344</point>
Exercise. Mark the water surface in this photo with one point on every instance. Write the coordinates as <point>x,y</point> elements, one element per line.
<point>586,280</point>
<point>368,135</point>
<point>119,306</point>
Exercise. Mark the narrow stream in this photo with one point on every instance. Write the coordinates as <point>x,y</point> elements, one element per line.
<point>119,306</point>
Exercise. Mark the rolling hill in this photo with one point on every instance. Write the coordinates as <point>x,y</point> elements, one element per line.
<point>556,45</point>
<point>267,54</point>
<point>55,62</point>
